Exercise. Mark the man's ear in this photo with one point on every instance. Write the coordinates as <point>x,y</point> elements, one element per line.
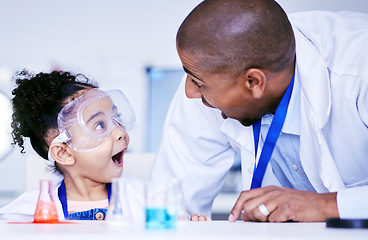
<point>255,81</point>
<point>61,154</point>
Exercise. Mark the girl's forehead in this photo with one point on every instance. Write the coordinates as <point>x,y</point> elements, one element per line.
<point>75,96</point>
<point>103,104</point>
<point>84,96</point>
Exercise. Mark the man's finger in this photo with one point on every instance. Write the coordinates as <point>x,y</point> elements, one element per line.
<point>239,204</point>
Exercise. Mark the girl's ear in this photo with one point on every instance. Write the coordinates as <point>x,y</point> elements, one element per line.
<point>61,154</point>
<point>255,81</point>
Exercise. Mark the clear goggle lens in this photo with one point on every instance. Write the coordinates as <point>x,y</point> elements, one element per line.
<point>86,122</point>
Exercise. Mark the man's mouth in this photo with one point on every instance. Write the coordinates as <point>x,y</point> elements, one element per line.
<point>207,104</point>
<point>118,158</point>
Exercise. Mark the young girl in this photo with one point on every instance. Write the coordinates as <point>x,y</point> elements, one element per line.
<point>81,131</point>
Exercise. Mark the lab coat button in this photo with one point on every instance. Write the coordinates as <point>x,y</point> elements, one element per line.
<point>295,168</point>
<point>250,170</point>
<point>99,216</point>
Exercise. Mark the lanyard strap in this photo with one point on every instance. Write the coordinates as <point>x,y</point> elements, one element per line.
<point>62,197</point>
<point>271,138</point>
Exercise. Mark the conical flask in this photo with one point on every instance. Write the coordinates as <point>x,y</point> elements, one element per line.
<point>46,209</point>
<point>176,192</point>
<point>117,213</point>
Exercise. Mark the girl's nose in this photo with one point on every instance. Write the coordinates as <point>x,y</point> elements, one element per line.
<point>118,132</point>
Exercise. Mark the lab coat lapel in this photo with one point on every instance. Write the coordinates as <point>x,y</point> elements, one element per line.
<point>243,136</point>
<point>315,100</point>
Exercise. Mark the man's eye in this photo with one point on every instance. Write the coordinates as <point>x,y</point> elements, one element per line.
<point>196,83</point>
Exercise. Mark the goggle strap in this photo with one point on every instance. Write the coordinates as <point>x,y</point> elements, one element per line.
<point>62,138</point>
<point>51,159</point>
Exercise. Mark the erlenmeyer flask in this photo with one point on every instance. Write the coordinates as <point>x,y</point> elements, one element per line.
<point>175,203</point>
<point>46,209</point>
<point>177,189</point>
<point>117,213</point>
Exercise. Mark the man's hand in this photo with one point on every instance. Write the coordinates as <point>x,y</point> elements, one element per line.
<point>284,204</point>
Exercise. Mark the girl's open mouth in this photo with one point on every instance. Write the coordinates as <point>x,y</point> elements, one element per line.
<point>118,158</point>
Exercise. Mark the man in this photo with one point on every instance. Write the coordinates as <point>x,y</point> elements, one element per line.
<point>290,97</point>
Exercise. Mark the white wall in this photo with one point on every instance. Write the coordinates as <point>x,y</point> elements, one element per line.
<point>291,6</point>
<point>111,41</point>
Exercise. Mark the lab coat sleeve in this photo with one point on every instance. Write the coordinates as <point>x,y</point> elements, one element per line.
<point>352,202</point>
<point>195,150</point>
<point>22,209</point>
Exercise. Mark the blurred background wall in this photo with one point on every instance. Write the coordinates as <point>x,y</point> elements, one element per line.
<point>112,42</point>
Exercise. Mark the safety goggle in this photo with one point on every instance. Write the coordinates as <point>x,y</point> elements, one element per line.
<point>86,122</point>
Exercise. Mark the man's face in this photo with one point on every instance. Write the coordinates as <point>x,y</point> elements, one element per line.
<point>222,91</point>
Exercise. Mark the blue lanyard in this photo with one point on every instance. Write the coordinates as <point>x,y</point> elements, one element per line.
<point>62,197</point>
<point>271,138</point>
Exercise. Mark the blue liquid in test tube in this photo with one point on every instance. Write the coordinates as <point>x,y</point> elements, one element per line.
<point>158,218</point>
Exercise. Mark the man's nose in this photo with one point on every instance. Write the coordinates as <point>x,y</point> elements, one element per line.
<point>191,89</point>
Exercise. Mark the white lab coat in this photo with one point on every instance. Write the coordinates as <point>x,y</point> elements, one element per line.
<point>332,60</point>
<point>23,208</point>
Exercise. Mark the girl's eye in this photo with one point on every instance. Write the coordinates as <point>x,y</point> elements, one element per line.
<point>196,83</point>
<point>100,126</point>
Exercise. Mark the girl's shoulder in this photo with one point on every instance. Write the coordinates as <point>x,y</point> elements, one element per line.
<point>22,208</point>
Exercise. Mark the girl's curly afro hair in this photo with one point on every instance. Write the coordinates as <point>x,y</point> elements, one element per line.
<point>37,101</point>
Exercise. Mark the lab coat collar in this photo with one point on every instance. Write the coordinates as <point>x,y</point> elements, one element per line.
<point>235,130</point>
<point>292,120</point>
<point>312,72</point>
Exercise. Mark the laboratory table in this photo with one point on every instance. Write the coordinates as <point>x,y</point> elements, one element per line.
<point>91,230</point>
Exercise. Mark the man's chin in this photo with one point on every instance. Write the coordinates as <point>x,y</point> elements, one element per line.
<point>246,122</point>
